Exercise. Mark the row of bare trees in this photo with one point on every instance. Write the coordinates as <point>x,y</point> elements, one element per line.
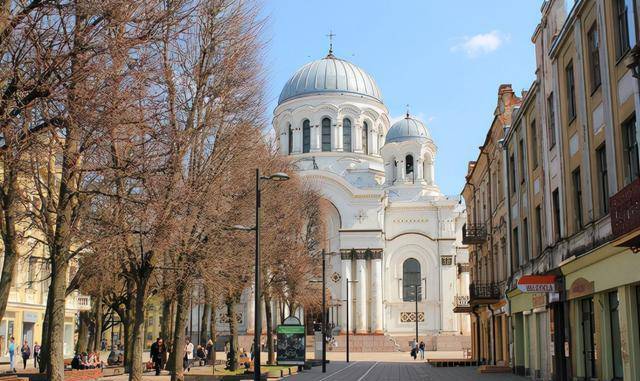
<point>130,131</point>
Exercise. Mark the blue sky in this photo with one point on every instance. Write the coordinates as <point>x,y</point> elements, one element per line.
<point>445,59</point>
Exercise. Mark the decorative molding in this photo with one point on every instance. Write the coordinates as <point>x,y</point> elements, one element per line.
<point>446,260</point>
<point>336,277</point>
<point>224,318</point>
<point>361,254</point>
<point>410,317</point>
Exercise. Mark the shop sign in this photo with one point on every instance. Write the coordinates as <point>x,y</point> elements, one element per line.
<point>30,317</point>
<point>537,283</point>
<point>539,300</point>
<point>580,287</point>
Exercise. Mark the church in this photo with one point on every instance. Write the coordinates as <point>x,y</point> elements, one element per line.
<point>390,232</point>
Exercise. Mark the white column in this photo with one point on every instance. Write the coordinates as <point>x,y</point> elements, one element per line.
<point>361,296</point>
<point>250,311</point>
<point>284,143</point>
<point>401,169</point>
<point>315,137</point>
<point>356,136</point>
<point>339,141</point>
<point>297,140</point>
<point>346,276</point>
<point>418,168</point>
<point>376,296</point>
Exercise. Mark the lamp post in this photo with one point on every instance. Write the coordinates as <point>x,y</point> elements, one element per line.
<point>347,303</point>
<point>280,176</point>
<point>415,286</point>
<point>324,314</point>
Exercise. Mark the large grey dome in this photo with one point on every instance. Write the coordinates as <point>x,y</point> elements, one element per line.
<point>407,128</point>
<point>330,75</point>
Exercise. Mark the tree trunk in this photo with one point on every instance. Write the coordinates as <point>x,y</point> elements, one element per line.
<point>165,326</point>
<point>232,356</point>
<point>83,332</point>
<point>214,333</point>
<point>182,310</point>
<point>128,324</point>
<point>204,324</point>
<point>8,233</point>
<point>45,345</point>
<point>55,340</point>
<point>97,332</point>
<point>138,333</point>
<point>268,312</point>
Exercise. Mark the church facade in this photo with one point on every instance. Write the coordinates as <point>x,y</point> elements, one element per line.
<point>391,234</point>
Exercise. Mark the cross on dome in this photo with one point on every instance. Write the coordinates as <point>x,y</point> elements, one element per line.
<point>331,35</point>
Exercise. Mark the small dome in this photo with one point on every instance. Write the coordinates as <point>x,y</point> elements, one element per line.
<point>407,129</point>
<point>330,75</point>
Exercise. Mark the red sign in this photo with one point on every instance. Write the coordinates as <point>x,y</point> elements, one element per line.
<point>537,283</point>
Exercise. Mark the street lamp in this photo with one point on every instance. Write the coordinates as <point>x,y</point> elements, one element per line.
<point>324,313</point>
<point>278,176</point>
<point>347,296</point>
<point>415,294</point>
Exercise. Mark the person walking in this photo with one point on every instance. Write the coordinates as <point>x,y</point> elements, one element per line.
<point>158,353</point>
<point>26,354</point>
<point>12,352</point>
<point>188,355</point>
<point>421,347</point>
<point>36,354</point>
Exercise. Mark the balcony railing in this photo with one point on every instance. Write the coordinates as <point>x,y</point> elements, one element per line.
<point>474,234</point>
<point>461,304</point>
<point>484,293</point>
<point>625,215</point>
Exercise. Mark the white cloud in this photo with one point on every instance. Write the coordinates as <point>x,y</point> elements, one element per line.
<point>482,43</point>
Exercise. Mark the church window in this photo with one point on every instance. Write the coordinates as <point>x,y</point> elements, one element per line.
<point>290,139</point>
<point>365,138</point>
<point>326,134</point>
<point>408,165</point>
<point>306,136</point>
<point>346,135</point>
<point>411,280</point>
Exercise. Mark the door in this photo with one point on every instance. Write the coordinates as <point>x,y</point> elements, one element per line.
<point>543,345</point>
<point>588,338</point>
<point>27,333</point>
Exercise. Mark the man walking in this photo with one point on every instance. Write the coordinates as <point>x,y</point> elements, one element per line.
<point>422,348</point>
<point>157,355</point>
<point>188,355</point>
<point>36,354</point>
<point>12,352</point>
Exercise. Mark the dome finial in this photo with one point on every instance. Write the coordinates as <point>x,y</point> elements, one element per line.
<point>407,111</point>
<point>331,35</point>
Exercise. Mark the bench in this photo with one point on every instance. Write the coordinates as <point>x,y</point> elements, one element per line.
<point>82,374</point>
<point>13,377</point>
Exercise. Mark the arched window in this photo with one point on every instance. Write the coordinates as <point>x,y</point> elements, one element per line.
<point>411,279</point>
<point>346,135</point>
<point>290,139</point>
<point>408,167</point>
<point>326,134</point>
<point>365,138</point>
<point>306,136</point>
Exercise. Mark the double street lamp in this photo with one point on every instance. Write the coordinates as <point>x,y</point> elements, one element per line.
<point>279,176</point>
<point>347,311</point>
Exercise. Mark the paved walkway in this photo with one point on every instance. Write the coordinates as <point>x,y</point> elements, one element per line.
<point>383,371</point>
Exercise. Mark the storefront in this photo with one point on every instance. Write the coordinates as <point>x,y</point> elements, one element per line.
<point>532,325</point>
<point>603,293</point>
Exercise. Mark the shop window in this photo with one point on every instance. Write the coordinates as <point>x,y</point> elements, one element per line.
<point>616,345</point>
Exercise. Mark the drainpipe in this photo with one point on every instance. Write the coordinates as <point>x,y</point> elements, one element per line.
<point>475,312</point>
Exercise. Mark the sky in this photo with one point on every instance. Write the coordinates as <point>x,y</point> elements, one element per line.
<point>445,59</point>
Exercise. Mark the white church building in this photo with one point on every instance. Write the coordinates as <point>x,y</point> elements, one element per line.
<point>390,231</point>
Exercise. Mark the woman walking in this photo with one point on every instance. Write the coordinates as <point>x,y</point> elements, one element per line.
<point>26,353</point>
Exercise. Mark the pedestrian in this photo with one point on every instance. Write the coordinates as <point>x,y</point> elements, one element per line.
<point>158,352</point>
<point>210,350</point>
<point>36,354</point>
<point>414,353</point>
<point>26,353</point>
<point>421,347</point>
<point>12,352</point>
<point>188,355</point>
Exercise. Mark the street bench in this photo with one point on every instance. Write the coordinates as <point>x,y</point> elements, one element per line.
<point>451,362</point>
<point>12,377</point>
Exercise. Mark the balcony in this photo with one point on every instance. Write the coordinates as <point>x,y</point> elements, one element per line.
<point>461,304</point>
<point>625,216</point>
<point>488,293</point>
<point>474,234</point>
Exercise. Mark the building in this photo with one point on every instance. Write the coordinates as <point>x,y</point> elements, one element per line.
<point>485,232</point>
<point>571,183</point>
<point>392,235</point>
